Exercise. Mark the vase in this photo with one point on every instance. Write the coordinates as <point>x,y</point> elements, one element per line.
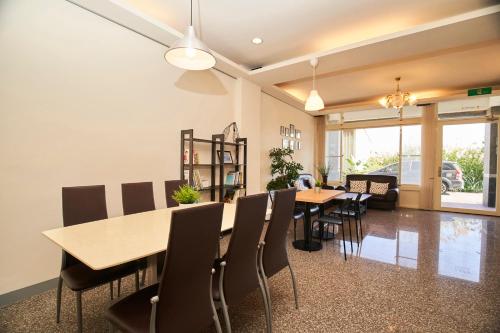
<point>181,205</point>
<point>325,179</point>
<point>317,189</point>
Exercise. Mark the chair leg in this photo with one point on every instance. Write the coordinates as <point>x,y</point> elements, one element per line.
<point>263,277</point>
<point>360,226</point>
<point>137,283</point>
<point>343,240</point>
<point>58,301</point>
<point>119,289</point>
<point>111,327</point>
<point>143,278</point>
<point>294,229</point>
<point>294,284</point>
<point>266,306</point>
<point>350,232</point>
<point>79,311</point>
<point>111,290</point>
<point>356,222</point>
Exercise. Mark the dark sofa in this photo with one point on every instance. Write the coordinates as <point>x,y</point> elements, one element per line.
<point>387,201</point>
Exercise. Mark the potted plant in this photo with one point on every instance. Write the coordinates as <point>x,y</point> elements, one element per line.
<point>284,170</point>
<point>324,170</point>
<point>317,188</point>
<point>186,195</point>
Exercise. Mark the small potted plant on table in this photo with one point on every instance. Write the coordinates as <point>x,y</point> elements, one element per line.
<point>317,188</point>
<point>324,170</point>
<point>186,196</point>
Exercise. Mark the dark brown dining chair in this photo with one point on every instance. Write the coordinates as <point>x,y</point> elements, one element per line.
<point>182,300</point>
<point>138,198</point>
<point>170,187</point>
<point>273,256</point>
<point>80,205</point>
<point>237,272</point>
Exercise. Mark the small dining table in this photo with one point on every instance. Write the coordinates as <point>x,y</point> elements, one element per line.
<point>117,240</point>
<point>311,197</point>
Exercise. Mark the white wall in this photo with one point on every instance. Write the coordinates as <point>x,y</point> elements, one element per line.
<point>274,114</point>
<point>84,101</point>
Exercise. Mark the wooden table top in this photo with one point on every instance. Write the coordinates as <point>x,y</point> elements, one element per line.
<point>317,198</point>
<point>117,240</point>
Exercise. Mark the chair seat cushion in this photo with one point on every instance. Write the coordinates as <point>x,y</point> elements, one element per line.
<point>329,219</point>
<point>80,277</point>
<point>345,212</point>
<point>132,313</point>
<point>298,215</point>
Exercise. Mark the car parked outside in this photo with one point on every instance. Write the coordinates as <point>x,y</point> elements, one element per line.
<point>451,174</point>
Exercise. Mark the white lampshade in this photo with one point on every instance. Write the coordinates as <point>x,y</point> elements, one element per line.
<point>314,102</point>
<point>190,53</point>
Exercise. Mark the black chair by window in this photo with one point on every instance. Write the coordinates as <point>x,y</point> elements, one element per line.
<point>182,300</point>
<point>170,187</point>
<point>80,205</point>
<point>354,210</point>
<point>138,198</point>
<point>273,256</point>
<point>236,272</point>
<point>338,219</point>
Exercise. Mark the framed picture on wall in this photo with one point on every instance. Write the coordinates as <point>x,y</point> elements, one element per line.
<point>282,130</point>
<point>292,145</point>
<point>285,143</point>
<point>287,131</point>
<point>299,145</point>
<point>292,131</point>
<point>298,134</point>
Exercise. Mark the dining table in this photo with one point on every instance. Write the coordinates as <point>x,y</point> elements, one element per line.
<point>312,197</point>
<point>117,240</point>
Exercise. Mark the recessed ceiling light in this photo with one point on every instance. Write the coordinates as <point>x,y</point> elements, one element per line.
<point>257,40</point>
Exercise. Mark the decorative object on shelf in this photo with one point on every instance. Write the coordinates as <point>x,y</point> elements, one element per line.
<point>314,102</point>
<point>186,174</point>
<point>231,195</point>
<point>298,134</point>
<point>228,157</point>
<point>186,195</point>
<point>189,52</point>
<point>186,155</point>
<point>231,178</point>
<point>284,170</point>
<point>196,157</point>
<point>292,131</point>
<point>399,99</point>
<point>231,133</point>
<point>285,143</point>
<point>324,170</point>
<point>197,180</point>
<point>317,188</point>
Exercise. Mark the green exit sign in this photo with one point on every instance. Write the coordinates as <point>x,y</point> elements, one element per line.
<point>479,91</point>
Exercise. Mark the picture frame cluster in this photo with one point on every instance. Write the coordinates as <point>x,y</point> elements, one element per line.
<point>291,137</point>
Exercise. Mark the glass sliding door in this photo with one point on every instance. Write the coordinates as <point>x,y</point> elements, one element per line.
<point>468,169</point>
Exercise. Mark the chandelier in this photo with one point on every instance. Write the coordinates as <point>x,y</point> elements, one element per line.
<point>398,99</point>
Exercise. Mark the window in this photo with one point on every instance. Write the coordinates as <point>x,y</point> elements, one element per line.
<point>333,154</point>
<point>410,154</point>
<point>375,151</point>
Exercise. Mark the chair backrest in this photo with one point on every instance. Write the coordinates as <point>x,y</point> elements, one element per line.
<point>184,291</point>
<point>170,187</point>
<point>305,181</point>
<point>82,204</point>
<point>137,197</point>
<point>344,206</point>
<point>241,274</point>
<point>275,257</point>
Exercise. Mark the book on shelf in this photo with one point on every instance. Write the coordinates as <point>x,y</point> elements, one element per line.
<point>231,178</point>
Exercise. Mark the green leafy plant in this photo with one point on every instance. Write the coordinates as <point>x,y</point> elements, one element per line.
<point>284,169</point>
<point>318,183</point>
<point>186,195</point>
<point>324,170</point>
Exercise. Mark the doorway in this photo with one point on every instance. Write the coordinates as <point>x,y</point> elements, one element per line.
<point>467,160</point>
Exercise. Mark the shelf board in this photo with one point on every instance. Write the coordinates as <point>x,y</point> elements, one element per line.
<point>218,187</point>
<point>216,165</point>
<point>217,142</point>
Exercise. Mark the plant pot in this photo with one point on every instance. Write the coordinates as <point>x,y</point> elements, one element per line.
<point>181,205</point>
<point>325,179</point>
<point>317,189</point>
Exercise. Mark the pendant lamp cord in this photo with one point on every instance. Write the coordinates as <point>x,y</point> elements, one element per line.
<point>314,77</point>
<point>191,12</point>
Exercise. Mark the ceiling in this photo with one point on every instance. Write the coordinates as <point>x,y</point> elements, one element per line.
<point>436,46</point>
<point>295,28</point>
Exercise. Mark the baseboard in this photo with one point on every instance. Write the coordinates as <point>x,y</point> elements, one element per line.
<point>23,293</point>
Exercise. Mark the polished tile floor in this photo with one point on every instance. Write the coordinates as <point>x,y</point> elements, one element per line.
<point>414,271</point>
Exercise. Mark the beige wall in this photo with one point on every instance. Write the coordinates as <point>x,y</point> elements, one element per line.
<point>84,101</point>
<point>275,114</point>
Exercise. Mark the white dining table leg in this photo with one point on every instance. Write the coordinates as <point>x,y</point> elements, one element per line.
<point>151,270</point>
